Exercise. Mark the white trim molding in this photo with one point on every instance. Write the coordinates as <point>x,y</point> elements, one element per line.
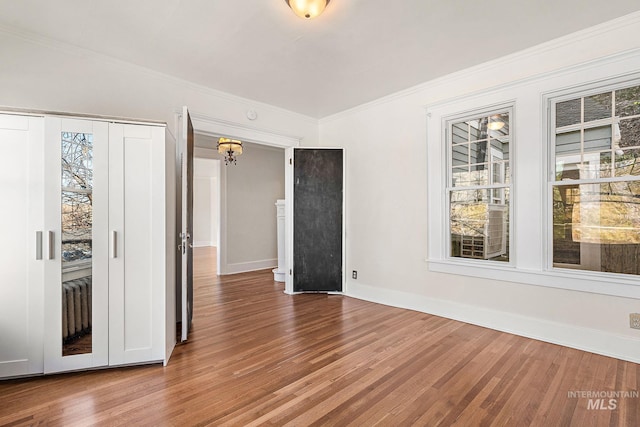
<point>203,244</point>
<point>627,24</point>
<point>586,339</point>
<point>211,126</point>
<point>529,251</point>
<point>243,267</point>
<point>620,285</point>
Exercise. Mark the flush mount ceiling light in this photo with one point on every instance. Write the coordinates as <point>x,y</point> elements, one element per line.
<point>307,8</point>
<point>231,148</point>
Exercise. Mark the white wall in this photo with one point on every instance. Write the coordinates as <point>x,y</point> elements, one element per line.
<point>253,186</point>
<point>42,74</point>
<point>386,202</point>
<point>386,186</point>
<point>248,193</point>
<point>205,202</point>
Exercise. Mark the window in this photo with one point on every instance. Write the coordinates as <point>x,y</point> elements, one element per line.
<point>552,198</point>
<point>478,185</point>
<point>595,181</point>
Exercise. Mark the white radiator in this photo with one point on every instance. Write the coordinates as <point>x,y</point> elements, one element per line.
<point>76,308</point>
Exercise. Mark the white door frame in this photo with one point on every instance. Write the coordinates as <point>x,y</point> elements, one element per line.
<point>213,127</point>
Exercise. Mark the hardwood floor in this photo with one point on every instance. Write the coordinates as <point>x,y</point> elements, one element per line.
<point>259,357</point>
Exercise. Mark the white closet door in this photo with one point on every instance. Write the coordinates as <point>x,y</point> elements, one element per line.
<point>21,226</point>
<point>77,244</point>
<point>137,218</point>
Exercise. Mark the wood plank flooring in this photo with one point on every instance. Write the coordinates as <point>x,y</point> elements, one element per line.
<point>259,357</point>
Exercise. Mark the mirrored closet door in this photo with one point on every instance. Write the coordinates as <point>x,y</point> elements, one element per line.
<point>77,244</point>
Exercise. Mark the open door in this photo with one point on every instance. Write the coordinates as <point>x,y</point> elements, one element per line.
<point>185,264</point>
<point>315,210</point>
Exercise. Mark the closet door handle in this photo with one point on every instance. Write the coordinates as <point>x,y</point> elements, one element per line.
<point>51,236</point>
<point>114,244</point>
<point>38,245</point>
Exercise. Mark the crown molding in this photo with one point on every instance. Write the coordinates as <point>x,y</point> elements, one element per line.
<point>210,126</point>
<point>583,66</point>
<point>632,19</point>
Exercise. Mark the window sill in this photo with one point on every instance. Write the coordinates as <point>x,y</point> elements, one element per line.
<point>612,284</point>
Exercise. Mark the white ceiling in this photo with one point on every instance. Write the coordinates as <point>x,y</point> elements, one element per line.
<point>357,51</point>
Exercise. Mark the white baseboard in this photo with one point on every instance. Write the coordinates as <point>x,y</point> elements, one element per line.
<point>243,267</point>
<point>586,339</point>
<point>201,244</point>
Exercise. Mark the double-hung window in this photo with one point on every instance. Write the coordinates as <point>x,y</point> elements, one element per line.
<point>479,185</point>
<point>595,180</point>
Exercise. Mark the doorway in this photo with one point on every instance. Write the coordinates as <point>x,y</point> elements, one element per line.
<point>205,202</point>
<point>240,198</point>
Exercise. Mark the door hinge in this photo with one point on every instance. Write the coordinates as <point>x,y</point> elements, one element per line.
<point>290,272</point>
<point>290,161</point>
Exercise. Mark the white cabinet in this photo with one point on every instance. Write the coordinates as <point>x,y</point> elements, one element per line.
<point>86,278</point>
<point>21,228</point>
<point>137,266</point>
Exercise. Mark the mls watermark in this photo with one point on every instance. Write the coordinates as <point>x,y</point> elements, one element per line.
<point>604,399</point>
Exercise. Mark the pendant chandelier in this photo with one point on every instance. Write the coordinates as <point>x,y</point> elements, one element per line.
<point>230,148</point>
<point>307,8</point>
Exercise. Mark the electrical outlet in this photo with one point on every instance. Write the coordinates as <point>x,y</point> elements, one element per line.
<point>354,275</point>
<point>634,320</point>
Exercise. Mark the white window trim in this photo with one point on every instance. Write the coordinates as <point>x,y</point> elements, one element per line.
<point>577,280</point>
<point>548,100</point>
<point>447,121</point>
<point>531,271</point>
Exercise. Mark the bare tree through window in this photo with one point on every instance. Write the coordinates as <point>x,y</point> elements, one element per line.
<point>77,184</point>
<point>77,221</point>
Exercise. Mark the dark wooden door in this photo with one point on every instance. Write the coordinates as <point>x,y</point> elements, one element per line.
<point>317,220</point>
<point>185,264</point>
